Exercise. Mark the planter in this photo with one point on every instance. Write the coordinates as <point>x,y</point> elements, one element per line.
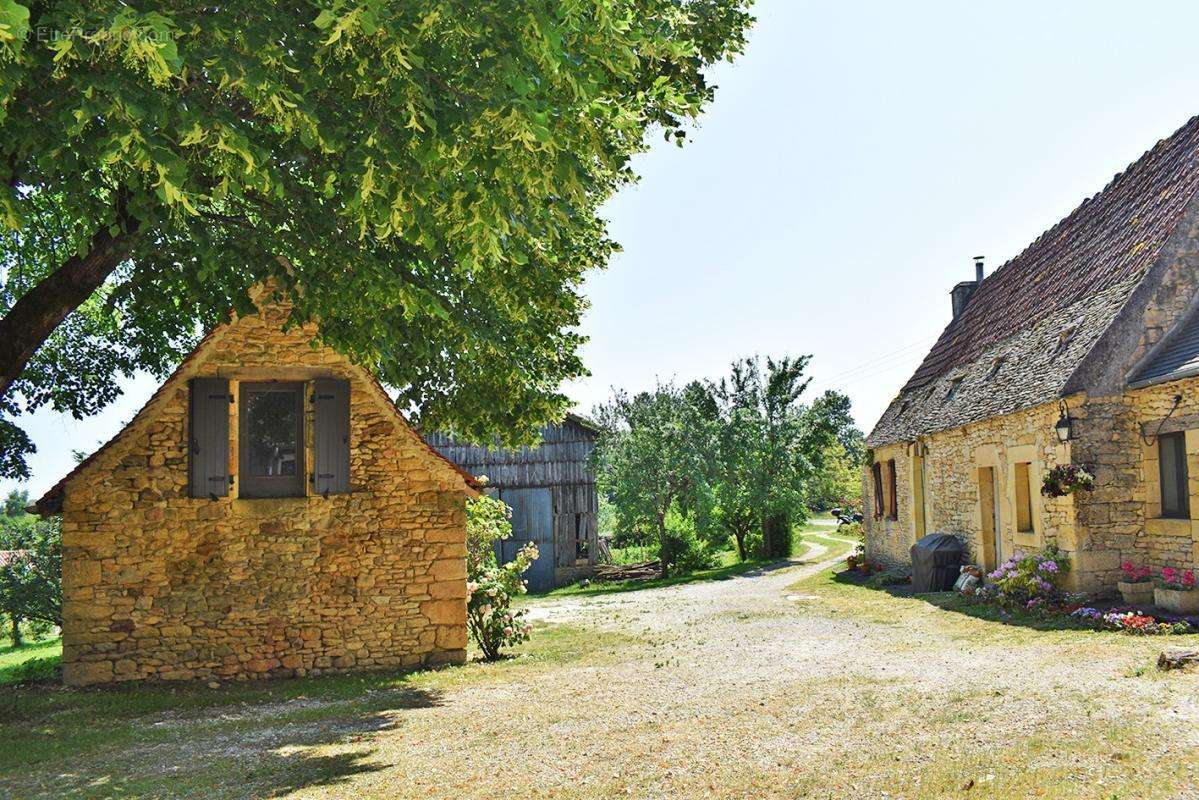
<point>1137,593</point>
<point>1180,601</point>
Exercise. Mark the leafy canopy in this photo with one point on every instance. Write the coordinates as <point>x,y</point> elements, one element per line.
<point>422,177</point>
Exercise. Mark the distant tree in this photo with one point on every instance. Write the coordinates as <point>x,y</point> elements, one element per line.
<point>652,455</point>
<point>16,502</point>
<point>838,447</point>
<point>424,178</point>
<point>31,581</point>
<point>767,446</point>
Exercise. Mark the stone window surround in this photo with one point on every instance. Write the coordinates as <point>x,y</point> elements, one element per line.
<point>1004,460</point>
<point>1155,523</point>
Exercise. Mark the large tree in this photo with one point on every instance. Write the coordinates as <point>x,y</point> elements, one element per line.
<point>423,178</point>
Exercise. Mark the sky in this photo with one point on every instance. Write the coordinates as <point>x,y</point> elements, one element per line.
<point>855,160</point>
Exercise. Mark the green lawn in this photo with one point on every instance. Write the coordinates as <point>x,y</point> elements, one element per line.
<point>35,661</point>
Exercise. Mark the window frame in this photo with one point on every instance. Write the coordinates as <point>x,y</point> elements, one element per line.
<point>253,487</point>
<point>1183,511</point>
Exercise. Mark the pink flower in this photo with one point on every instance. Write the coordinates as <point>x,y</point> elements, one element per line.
<point>1188,578</point>
<point>1169,574</point>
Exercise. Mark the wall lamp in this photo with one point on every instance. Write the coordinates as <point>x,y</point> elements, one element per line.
<point>1064,427</point>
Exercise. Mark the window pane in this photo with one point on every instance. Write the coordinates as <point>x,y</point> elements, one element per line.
<point>272,432</point>
<point>1172,457</point>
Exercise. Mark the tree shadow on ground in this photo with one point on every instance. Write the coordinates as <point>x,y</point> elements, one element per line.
<point>250,740</point>
<point>741,569</point>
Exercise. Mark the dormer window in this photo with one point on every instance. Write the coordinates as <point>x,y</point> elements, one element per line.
<point>954,385</point>
<point>996,365</point>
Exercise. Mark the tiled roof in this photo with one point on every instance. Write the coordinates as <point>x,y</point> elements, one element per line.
<point>1178,356</point>
<point>1043,311</point>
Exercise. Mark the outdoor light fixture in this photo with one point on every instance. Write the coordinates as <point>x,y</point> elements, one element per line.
<point>1064,425</point>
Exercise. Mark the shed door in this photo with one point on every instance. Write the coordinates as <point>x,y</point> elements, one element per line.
<point>532,521</point>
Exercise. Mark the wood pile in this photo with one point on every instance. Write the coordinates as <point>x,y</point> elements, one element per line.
<point>628,572</point>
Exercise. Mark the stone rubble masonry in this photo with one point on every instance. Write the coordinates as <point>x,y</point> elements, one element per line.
<point>160,586</point>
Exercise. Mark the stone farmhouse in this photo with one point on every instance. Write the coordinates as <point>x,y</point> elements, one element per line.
<point>267,513</point>
<point>1083,349</point>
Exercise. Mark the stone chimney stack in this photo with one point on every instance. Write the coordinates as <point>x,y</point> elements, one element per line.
<point>960,294</point>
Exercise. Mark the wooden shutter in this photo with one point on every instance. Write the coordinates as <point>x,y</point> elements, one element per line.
<point>209,434</point>
<point>876,472</point>
<point>331,436</point>
<point>892,493</point>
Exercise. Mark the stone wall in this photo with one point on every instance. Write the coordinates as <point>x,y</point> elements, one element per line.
<point>949,463</point>
<point>161,586</point>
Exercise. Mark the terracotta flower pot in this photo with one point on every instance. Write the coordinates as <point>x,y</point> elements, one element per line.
<point>1137,593</point>
<point>1180,601</point>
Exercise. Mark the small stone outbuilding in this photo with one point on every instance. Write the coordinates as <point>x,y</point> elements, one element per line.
<point>1083,349</point>
<point>267,513</point>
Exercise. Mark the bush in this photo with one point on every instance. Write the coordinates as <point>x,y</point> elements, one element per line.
<point>1028,582</point>
<point>683,550</point>
<point>490,586</point>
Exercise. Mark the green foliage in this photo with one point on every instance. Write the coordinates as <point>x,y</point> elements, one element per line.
<point>652,457</point>
<point>31,583</point>
<point>16,502</point>
<point>768,446</point>
<point>683,548</point>
<point>423,178</point>
<point>490,586</point>
<point>1028,582</point>
<point>838,482</point>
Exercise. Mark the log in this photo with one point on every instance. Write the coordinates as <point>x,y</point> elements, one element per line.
<point>628,572</point>
<point>1178,658</point>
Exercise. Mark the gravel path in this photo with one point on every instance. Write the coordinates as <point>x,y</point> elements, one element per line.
<point>747,688</point>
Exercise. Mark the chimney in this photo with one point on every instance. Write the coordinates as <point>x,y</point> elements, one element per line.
<point>960,294</point>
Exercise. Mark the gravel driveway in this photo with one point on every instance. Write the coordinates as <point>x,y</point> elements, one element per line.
<point>755,687</point>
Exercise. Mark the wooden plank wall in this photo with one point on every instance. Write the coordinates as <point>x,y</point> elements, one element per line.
<point>559,463</point>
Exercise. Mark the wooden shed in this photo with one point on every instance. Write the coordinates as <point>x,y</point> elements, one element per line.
<point>551,492</point>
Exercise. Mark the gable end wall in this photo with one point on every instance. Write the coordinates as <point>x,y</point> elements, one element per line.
<point>160,586</point>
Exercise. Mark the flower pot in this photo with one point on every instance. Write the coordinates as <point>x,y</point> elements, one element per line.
<point>1137,593</point>
<point>1180,601</point>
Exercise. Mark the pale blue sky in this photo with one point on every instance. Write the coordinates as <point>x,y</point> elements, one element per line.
<point>856,158</point>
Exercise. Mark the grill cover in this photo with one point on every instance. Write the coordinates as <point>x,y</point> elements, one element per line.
<point>936,562</point>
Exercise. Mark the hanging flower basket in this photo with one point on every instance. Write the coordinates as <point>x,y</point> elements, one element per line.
<point>1066,479</point>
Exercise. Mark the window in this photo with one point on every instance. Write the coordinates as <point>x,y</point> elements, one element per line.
<point>892,495</point>
<point>1024,518</point>
<point>1172,462</point>
<point>954,385</point>
<point>876,472</point>
<point>270,439</point>
<point>272,453</point>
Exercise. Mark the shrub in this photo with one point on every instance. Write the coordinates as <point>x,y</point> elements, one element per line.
<point>490,586</point>
<point>1028,582</point>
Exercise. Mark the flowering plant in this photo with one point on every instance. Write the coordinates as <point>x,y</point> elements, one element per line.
<point>1135,574</point>
<point>1128,621</point>
<point>490,585</point>
<point>1179,581</point>
<point>1025,578</point>
<point>1065,479</point>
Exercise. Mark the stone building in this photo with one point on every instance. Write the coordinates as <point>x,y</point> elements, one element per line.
<point>1082,349</point>
<point>267,513</point>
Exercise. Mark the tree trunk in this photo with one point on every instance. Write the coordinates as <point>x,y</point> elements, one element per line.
<point>40,310</point>
<point>739,536</point>
<point>16,630</point>
<point>662,550</point>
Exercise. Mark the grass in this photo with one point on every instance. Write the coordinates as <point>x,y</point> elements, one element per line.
<point>36,661</point>
<point>77,743</point>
